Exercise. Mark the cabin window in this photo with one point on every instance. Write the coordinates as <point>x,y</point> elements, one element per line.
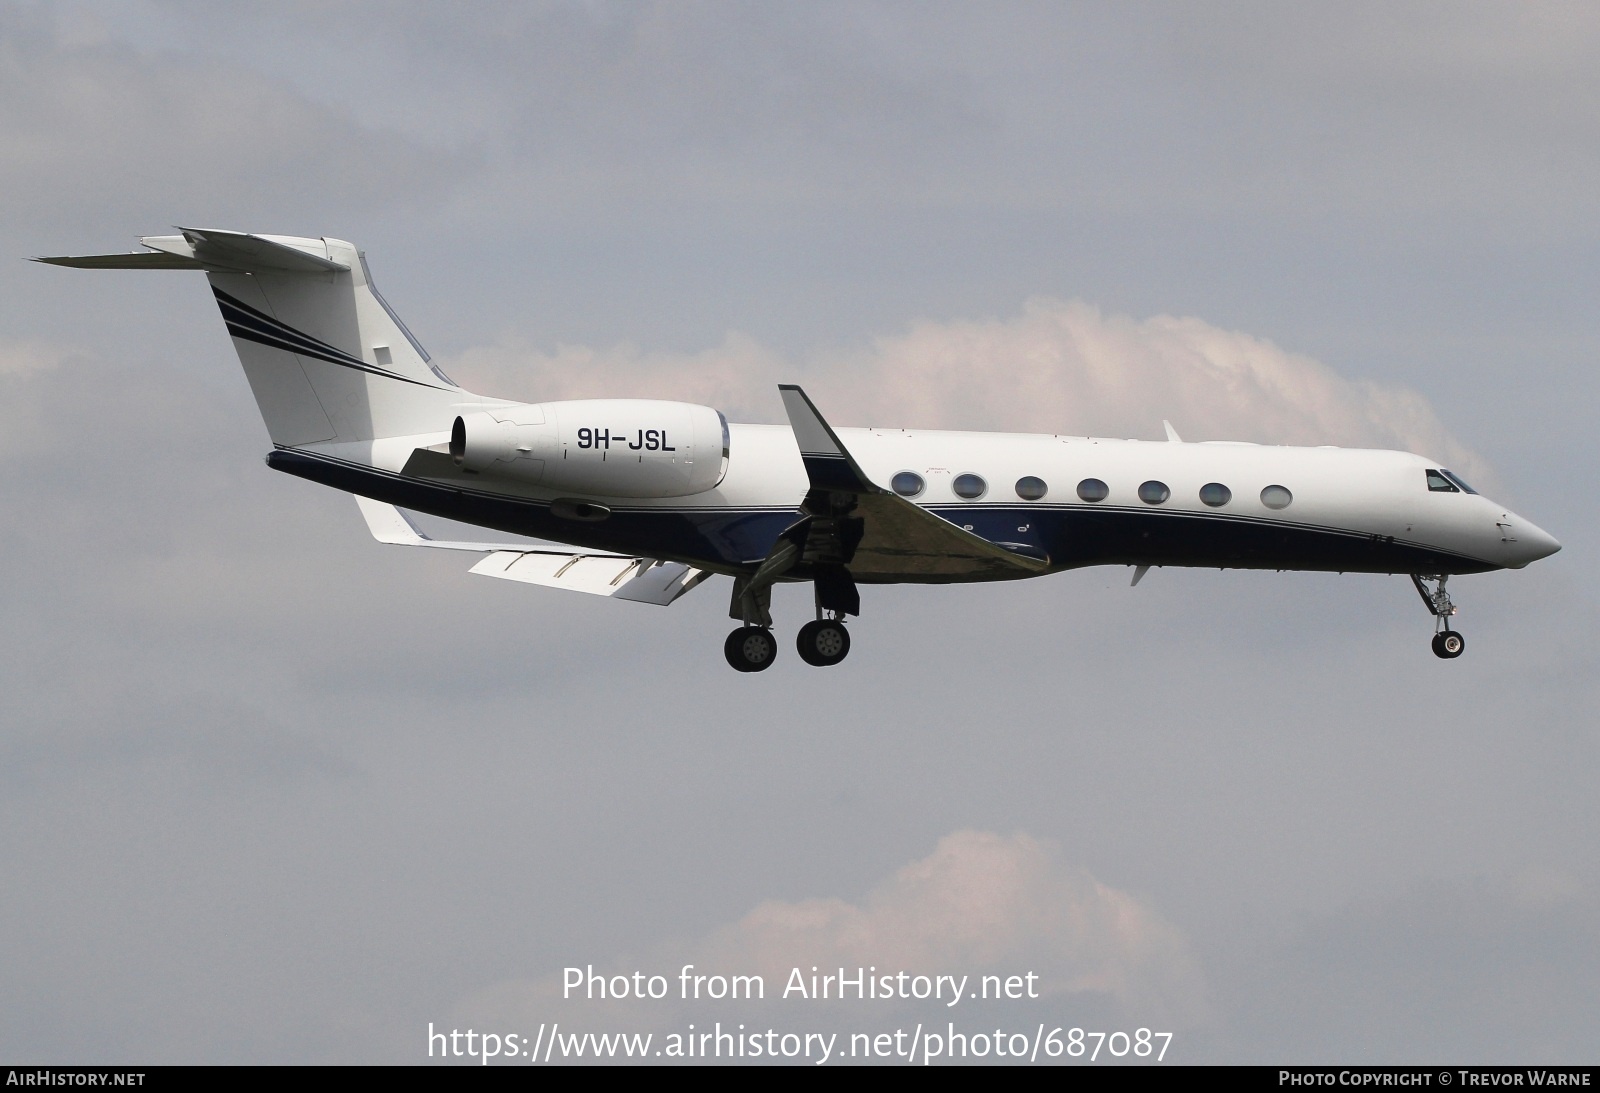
<point>1215,494</point>
<point>1276,497</point>
<point>1092,489</point>
<point>907,483</point>
<point>1030,488</point>
<point>969,486</point>
<point>1458,480</point>
<point>1153,493</point>
<point>1438,483</point>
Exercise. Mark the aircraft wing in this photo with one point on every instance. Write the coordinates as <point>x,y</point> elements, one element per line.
<point>899,538</point>
<point>642,580</point>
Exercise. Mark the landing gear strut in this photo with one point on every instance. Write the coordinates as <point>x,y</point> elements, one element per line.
<point>1447,643</point>
<point>821,543</point>
<point>824,641</point>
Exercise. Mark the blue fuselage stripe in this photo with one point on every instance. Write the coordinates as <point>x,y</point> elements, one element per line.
<point>727,539</point>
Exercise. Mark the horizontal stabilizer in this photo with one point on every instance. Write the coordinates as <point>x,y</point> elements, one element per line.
<point>214,250</point>
<point>147,259</point>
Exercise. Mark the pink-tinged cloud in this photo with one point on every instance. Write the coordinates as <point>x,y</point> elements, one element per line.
<point>980,904</point>
<point>1057,367</point>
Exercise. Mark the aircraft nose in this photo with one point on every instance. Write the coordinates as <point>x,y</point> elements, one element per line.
<point>1528,542</point>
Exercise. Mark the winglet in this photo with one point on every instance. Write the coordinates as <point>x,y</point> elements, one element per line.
<point>388,524</point>
<point>1172,434</point>
<point>828,465</point>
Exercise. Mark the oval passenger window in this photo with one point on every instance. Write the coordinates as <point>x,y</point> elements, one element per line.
<point>907,483</point>
<point>1153,493</point>
<point>1215,494</point>
<point>1276,497</point>
<point>1092,489</point>
<point>968,486</point>
<point>1030,488</point>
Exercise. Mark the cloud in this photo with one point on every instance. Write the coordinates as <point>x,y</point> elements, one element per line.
<point>26,357</point>
<point>1389,107</point>
<point>981,903</point>
<point>641,101</point>
<point>1058,366</point>
<point>102,124</point>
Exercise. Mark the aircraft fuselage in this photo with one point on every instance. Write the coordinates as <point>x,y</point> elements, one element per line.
<point>1339,509</point>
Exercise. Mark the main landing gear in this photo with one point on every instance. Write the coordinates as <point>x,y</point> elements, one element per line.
<point>751,649</point>
<point>1447,643</point>
<point>822,541</point>
<point>822,643</point>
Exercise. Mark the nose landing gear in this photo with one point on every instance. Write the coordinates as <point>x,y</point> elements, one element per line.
<point>1447,643</point>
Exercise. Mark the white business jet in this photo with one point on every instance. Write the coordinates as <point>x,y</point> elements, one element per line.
<point>654,497</point>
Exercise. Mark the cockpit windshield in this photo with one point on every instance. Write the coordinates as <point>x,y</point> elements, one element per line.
<point>1442,481</point>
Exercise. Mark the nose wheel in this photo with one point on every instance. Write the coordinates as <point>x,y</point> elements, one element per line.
<point>751,649</point>
<point>1447,643</point>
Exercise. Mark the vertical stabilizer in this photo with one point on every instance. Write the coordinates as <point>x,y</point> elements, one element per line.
<point>326,357</point>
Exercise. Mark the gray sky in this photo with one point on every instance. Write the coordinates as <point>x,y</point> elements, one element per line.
<point>272,792</point>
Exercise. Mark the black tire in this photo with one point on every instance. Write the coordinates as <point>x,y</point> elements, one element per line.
<point>750,649</point>
<point>823,642</point>
<point>1448,644</point>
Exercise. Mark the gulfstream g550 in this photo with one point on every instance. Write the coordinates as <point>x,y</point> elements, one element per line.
<point>654,497</point>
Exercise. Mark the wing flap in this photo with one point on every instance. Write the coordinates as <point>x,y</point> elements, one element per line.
<point>642,580</point>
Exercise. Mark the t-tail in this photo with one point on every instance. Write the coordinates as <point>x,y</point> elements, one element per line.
<point>326,357</point>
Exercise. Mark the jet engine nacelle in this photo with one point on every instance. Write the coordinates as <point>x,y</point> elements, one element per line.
<point>598,447</point>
